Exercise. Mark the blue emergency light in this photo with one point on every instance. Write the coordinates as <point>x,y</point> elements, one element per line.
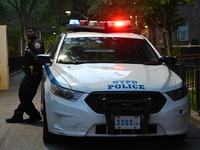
<point>74,22</point>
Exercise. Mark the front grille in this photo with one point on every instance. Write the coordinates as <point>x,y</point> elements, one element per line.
<point>125,102</point>
<point>103,129</point>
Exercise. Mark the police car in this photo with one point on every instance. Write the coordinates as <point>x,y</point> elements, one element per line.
<point>107,81</point>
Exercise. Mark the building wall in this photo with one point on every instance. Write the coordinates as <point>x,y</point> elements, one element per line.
<point>192,16</point>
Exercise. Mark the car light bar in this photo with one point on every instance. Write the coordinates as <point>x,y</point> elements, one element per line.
<point>123,23</point>
<point>101,26</point>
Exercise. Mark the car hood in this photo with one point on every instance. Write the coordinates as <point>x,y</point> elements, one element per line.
<point>118,77</point>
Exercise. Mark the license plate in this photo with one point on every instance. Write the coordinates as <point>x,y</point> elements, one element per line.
<point>127,122</point>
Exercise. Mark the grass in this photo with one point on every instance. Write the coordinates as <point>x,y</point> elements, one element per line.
<point>193,99</point>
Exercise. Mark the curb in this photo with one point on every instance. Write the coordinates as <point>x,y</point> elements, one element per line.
<point>195,117</point>
<point>14,73</point>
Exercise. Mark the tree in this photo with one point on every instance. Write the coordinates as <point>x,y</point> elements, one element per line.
<point>58,18</point>
<point>13,29</point>
<point>44,14</point>
<point>24,9</point>
<point>27,13</point>
<point>161,13</point>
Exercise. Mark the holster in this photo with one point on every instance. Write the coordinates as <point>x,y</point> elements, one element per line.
<point>28,70</point>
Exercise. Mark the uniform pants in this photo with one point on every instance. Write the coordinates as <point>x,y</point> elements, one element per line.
<point>27,91</point>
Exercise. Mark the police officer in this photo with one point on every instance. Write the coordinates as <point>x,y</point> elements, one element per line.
<point>30,82</point>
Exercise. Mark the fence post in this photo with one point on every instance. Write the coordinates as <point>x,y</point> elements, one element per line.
<point>197,90</point>
<point>183,73</point>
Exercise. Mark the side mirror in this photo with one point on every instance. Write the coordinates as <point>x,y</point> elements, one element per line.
<point>43,58</point>
<point>168,59</point>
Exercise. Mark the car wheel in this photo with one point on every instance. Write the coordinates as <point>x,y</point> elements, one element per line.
<point>178,138</point>
<point>47,136</point>
<point>42,97</point>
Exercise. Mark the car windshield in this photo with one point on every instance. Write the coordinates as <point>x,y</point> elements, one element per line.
<point>106,50</point>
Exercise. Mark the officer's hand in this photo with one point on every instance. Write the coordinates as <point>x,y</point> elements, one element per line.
<point>26,49</point>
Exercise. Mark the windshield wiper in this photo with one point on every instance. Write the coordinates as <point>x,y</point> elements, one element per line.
<point>127,61</point>
<point>137,62</point>
<point>75,62</point>
<point>79,61</point>
<point>119,61</point>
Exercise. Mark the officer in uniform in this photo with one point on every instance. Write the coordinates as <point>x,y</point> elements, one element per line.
<point>30,82</point>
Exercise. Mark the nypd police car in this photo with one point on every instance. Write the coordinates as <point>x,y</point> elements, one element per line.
<point>107,81</point>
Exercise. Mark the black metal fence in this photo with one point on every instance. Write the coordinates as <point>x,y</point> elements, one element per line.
<point>188,68</point>
<point>15,64</point>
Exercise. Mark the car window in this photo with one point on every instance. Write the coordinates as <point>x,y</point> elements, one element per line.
<point>106,49</point>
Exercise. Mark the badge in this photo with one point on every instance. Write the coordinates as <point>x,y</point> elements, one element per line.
<point>37,45</point>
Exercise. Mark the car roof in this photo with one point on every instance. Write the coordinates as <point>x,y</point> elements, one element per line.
<point>98,34</point>
<point>96,31</point>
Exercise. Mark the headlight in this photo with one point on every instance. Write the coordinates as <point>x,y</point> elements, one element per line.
<point>65,93</point>
<point>178,94</point>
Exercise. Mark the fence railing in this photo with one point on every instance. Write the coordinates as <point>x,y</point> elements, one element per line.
<point>188,68</point>
<point>15,64</point>
<point>190,75</point>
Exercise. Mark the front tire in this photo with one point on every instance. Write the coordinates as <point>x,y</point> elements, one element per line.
<point>178,138</point>
<point>47,136</point>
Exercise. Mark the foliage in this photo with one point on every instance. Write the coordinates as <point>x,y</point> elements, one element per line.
<point>45,14</point>
<point>176,50</point>
<point>164,15</point>
<point>161,13</point>
<point>14,34</point>
<point>19,13</point>
<point>193,99</point>
<point>10,19</point>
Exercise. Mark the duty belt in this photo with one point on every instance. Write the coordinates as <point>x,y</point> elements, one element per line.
<point>31,68</point>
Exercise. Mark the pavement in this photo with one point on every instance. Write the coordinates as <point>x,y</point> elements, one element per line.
<point>195,118</point>
<point>18,136</point>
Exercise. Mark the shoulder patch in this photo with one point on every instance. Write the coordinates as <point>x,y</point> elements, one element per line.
<point>37,45</point>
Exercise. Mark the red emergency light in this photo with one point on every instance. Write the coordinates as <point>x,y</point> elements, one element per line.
<point>84,22</point>
<point>123,23</point>
<point>119,24</point>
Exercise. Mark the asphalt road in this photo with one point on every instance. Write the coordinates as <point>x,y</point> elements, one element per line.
<point>29,136</point>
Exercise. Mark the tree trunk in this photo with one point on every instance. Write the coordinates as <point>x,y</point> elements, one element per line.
<point>23,13</point>
<point>170,40</point>
<point>166,44</point>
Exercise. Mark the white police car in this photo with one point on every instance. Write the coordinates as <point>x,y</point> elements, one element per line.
<point>110,82</point>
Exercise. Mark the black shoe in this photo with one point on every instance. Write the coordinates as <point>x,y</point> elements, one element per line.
<point>16,118</point>
<point>33,119</point>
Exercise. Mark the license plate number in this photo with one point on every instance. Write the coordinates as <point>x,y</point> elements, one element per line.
<point>127,122</point>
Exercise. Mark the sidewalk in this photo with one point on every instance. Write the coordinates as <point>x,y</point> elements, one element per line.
<point>195,118</point>
<point>9,98</point>
<point>18,136</point>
